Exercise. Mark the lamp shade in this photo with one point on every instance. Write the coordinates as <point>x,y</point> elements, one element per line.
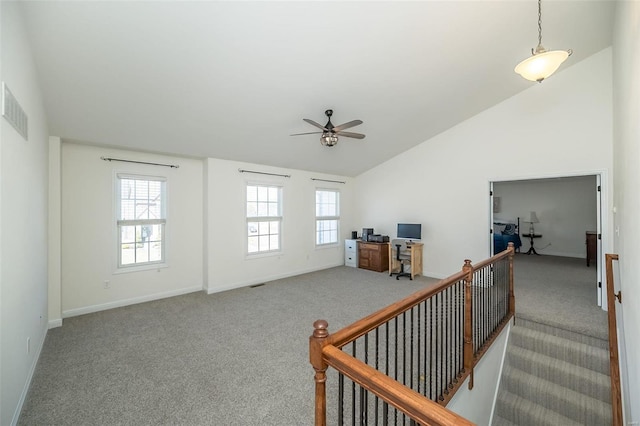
<point>533,218</point>
<point>542,65</point>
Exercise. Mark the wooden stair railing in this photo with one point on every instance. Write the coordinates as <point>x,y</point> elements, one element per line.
<point>614,364</point>
<point>469,310</point>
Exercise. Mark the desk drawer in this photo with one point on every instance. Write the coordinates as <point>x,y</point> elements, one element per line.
<point>350,246</point>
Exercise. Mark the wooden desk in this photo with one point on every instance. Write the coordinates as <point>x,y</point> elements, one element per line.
<point>373,256</point>
<point>415,250</point>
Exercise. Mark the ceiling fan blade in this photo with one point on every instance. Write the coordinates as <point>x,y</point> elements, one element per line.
<point>351,135</point>
<point>308,133</point>
<point>347,125</point>
<point>313,123</point>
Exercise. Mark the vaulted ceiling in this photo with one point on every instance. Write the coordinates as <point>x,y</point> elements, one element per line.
<point>233,80</point>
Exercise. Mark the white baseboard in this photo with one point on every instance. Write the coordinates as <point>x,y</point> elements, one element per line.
<point>546,252</point>
<point>436,275</point>
<point>126,302</point>
<point>27,384</point>
<point>261,280</point>
<point>55,323</point>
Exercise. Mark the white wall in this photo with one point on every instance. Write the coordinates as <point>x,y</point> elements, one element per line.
<point>626,92</point>
<point>228,264</point>
<point>23,221</point>
<point>477,404</point>
<point>89,237</point>
<point>566,208</point>
<point>444,182</point>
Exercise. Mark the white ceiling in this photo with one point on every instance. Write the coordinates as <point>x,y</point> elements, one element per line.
<point>233,80</point>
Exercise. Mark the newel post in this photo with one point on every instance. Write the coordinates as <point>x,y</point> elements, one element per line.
<point>316,342</point>
<point>468,320</point>
<point>512,296</point>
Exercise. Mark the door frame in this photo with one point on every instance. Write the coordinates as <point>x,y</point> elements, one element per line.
<point>602,214</point>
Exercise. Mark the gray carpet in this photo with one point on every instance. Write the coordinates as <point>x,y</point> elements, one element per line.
<point>233,358</point>
<point>559,291</point>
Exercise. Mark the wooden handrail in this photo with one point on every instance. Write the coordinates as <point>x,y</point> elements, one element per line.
<point>614,364</point>
<point>325,350</point>
<point>416,406</point>
<point>368,323</point>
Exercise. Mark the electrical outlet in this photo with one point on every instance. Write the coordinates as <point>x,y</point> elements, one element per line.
<point>28,345</point>
<point>106,284</point>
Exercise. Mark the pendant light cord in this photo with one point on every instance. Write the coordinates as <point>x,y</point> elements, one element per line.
<point>539,22</point>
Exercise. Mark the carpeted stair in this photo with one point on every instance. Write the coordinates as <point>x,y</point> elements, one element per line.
<point>553,377</point>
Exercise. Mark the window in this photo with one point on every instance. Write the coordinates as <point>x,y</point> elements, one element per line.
<point>264,218</point>
<point>327,216</point>
<point>141,220</point>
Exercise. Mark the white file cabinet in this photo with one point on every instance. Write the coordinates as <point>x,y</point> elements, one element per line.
<point>351,253</point>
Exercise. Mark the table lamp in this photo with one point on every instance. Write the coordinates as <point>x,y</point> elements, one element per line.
<point>533,218</point>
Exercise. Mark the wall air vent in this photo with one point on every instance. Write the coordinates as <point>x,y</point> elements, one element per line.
<point>13,112</point>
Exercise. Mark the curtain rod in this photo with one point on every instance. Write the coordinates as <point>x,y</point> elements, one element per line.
<point>327,180</point>
<point>173,166</point>
<point>262,173</point>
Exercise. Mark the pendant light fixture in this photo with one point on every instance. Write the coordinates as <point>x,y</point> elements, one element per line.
<point>544,62</point>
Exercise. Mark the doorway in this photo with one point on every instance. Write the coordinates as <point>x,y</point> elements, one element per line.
<point>553,217</point>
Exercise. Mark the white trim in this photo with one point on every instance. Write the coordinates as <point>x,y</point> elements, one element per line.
<point>501,369</point>
<point>55,323</point>
<point>327,218</point>
<point>265,279</point>
<point>278,218</point>
<point>27,384</point>
<point>133,176</point>
<point>120,223</point>
<point>126,302</point>
<point>604,243</point>
<point>140,267</point>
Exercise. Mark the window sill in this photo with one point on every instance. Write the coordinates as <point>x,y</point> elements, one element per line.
<point>328,246</point>
<point>140,268</point>
<point>259,255</point>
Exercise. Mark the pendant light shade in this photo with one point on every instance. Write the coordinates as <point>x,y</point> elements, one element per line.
<point>543,63</point>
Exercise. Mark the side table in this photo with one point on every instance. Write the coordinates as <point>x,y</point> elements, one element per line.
<point>532,250</point>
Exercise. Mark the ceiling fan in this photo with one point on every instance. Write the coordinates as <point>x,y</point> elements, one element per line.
<point>330,132</point>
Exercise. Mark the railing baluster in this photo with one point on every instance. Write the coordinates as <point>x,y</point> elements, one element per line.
<point>364,403</point>
<point>419,347</point>
<point>377,400</point>
<point>432,348</point>
<point>353,391</point>
<point>341,399</point>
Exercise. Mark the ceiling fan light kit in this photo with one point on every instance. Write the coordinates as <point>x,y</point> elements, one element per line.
<point>330,133</point>
<point>328,139</point>
<point>544,62</point>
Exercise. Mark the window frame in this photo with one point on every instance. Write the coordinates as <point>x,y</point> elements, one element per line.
<point>121,223</point>
<point>320,218</point>
<point>268,219</point>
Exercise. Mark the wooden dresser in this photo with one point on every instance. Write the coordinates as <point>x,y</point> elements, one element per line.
<point>592,246</point>
<point>373,256</point>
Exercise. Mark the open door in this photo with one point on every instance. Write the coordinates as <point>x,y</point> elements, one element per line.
<point>492,210</point>
<point>600,288</point>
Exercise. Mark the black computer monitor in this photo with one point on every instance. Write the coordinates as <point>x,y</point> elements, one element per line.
<point>410,231</point>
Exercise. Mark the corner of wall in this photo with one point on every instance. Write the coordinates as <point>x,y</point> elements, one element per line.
<point>55,217</point>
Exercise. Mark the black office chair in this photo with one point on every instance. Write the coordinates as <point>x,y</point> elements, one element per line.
<point>403,258</point>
